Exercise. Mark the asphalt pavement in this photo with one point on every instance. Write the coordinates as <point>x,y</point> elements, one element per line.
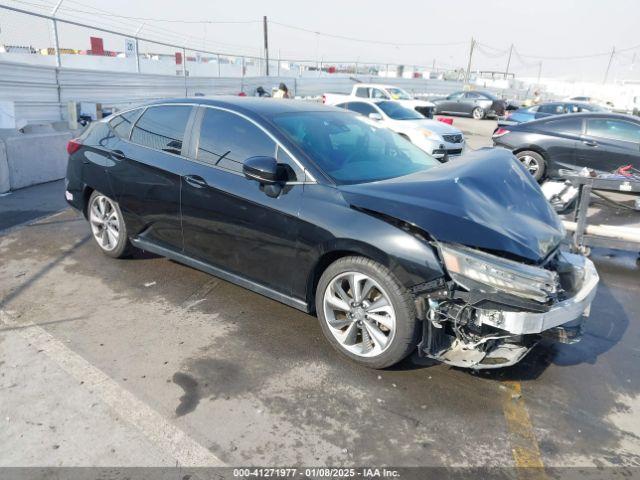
<point>145,362</point>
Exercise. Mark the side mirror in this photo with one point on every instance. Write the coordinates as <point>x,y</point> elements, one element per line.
<point>375,116</point>
<point>263,169</point>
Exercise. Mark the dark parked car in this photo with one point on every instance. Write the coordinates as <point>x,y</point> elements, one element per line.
<point>601,141</point>
<point>476,104</point>
<point>536,112</point>
<point>327,212</point>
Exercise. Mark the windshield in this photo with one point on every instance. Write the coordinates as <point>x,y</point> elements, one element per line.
<point>399,94</point>
<point>350,149</point>
<point>398,112</point>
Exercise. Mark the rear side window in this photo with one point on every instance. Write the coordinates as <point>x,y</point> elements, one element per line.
<point>572,126</point>
<point>362,108</point>
<point>552,108</point>
<point>362,92</point>
<point>162,128</point>
<point>227,140</point>
<point>613,129</point>
<point>121,124</point>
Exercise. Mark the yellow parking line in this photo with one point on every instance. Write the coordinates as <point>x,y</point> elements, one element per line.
<point>524,446</point>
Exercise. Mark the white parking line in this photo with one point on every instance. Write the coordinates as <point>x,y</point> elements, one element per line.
<point>167,436</point>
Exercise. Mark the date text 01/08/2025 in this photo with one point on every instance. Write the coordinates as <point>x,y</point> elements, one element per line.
<point>316,472</point>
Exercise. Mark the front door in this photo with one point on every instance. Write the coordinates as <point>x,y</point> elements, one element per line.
<point>609,144</point>
<point>229,221</point>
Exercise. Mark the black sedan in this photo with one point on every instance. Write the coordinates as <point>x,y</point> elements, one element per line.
<point>475,103</point>
<point>601,141</point>
<point>329,213</point>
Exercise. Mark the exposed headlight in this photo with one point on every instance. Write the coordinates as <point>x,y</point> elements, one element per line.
<point>429,134</point>
<point>471,268</point>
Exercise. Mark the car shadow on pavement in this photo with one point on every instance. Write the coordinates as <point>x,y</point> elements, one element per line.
<point>604,329</point>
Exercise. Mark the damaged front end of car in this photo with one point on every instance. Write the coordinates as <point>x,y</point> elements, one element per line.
<point>490,311</point>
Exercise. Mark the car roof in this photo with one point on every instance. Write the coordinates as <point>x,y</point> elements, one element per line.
<point>379,85</point>
<point>606,115</point>
<point>265,107</point>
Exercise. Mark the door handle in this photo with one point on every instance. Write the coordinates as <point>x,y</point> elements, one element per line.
<point>117,154</point>
<point>590,143</point>
<point>195,181</point>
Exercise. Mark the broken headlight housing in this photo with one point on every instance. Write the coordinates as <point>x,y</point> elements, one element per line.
<point>474,269</point>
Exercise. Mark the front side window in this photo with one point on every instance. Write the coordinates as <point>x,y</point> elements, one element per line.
<point>350,149</point>
<point>227,140</point>
<point>162,128</point>
<point>121,124</point>
<point>613,129</point>
<point>399,94</point>
<point>398,112</point>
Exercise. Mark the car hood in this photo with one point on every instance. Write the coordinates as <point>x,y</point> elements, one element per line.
<point>485,199</point>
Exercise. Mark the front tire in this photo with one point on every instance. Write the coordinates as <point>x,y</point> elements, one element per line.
<point>365,313</point>
<point>533,162</point>
<point>478,113</point>
<point>107,226</point>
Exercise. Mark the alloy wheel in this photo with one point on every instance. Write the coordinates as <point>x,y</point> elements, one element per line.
<point>105,222</point>
<point>359,314</point>
<point>530,163</point>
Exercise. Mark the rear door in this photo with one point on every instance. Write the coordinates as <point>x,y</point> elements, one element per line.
<point>610,143</point>
<point>146,171</point>
<point>229,221</point>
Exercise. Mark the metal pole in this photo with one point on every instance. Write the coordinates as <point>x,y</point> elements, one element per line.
<point>137,47</point>
<point>468,74</point>
<point>539,73</point>
<point>278,62</point>
<point>184,71</point>
<point>506,73</point>
<point>266,43</point>
<point>355,72</point>
<point>218,57</point>
<point>242,66</point>
<point>606,74</point>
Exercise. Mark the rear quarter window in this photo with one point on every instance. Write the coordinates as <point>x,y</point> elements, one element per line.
<point>121,124</point>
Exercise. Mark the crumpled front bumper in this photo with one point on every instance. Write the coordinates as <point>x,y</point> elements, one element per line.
<point>566,311</point>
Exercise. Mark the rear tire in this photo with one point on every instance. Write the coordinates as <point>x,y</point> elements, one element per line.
<point>478,113</point>
<point>365,313</point>
<point>107,226</point>
<point>533,162</point>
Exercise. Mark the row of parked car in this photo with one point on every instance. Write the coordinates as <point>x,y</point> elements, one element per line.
<point>544,137</point>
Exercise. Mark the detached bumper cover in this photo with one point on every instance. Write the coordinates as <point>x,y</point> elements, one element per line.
<point>569,310</point>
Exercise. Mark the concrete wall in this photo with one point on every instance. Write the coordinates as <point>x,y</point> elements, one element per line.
<point>29,159</point>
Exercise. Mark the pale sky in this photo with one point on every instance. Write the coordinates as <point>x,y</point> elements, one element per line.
<point>559,28</point>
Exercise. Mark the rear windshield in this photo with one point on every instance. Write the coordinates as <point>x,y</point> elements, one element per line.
<point>350,149</point>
